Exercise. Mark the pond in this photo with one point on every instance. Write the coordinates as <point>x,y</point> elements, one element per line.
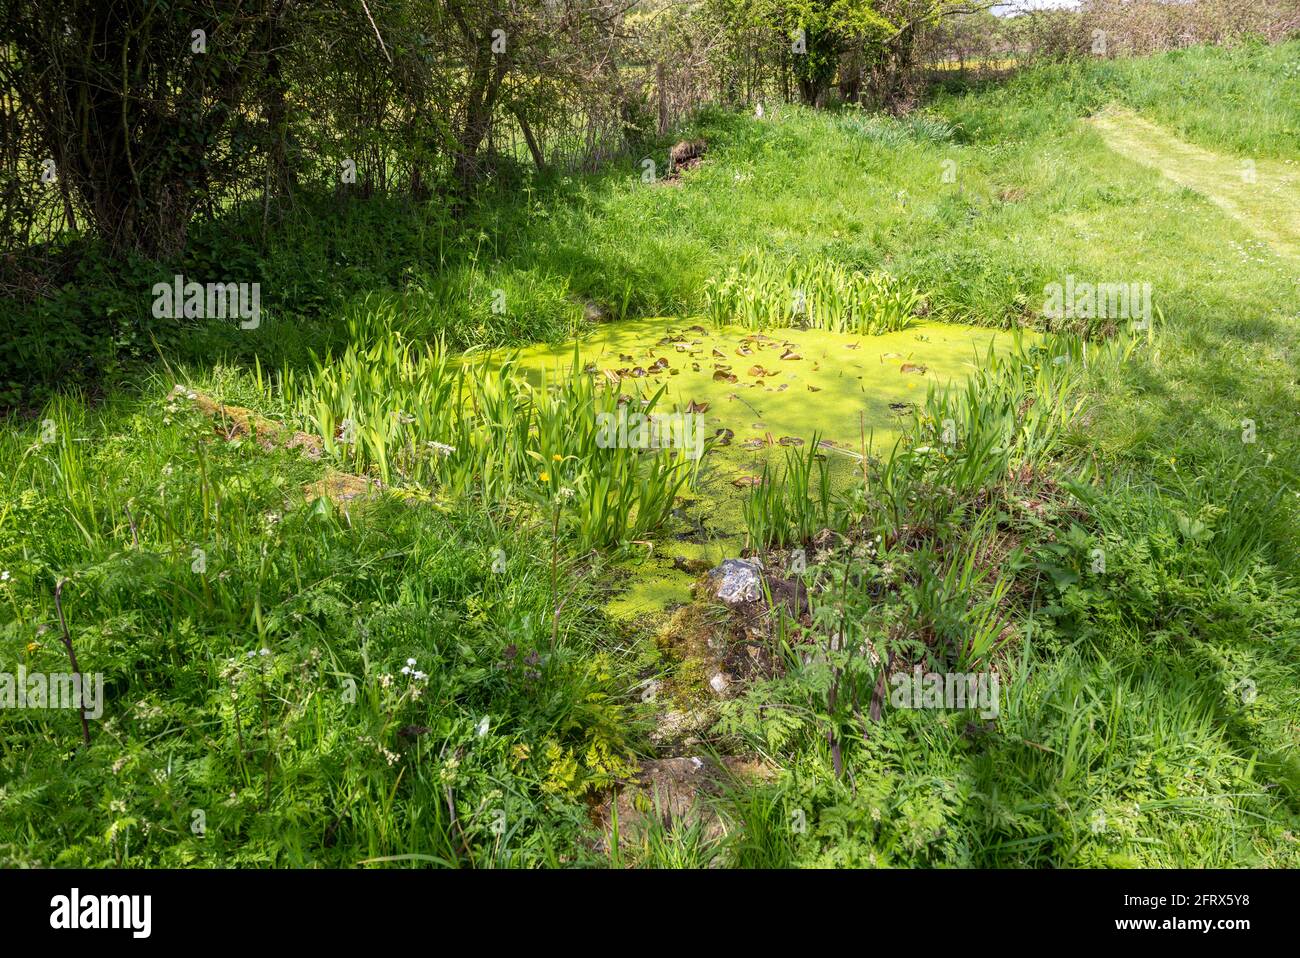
<point>762,393</point>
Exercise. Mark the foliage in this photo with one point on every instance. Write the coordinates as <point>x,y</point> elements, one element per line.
<point>761,294</point>
<point>477,429</point>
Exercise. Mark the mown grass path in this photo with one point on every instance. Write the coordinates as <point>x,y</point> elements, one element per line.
<point>1263,194</point>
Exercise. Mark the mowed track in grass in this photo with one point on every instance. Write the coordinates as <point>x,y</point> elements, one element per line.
<point>1263,194</point>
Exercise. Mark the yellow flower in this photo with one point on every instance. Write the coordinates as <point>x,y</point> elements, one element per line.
<point>544,476</point>
<point>33,646</point>
<point>557,458</point>
<point>520,752</point>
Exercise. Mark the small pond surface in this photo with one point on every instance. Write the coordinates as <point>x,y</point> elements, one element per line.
<point>769,390</point>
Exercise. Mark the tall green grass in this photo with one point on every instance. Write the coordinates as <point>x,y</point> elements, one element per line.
<point>184,555</point>
<point>792,501</point>
<point>759,293</point>
<point>476,429</point>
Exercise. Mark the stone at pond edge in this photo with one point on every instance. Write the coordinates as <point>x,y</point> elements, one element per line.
<point>738,580</point>
<point>675,791</point>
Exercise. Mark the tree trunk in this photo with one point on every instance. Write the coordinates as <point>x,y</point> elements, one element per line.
<point>661,88</point>
<point>487,72</point>
<point>534,148</point>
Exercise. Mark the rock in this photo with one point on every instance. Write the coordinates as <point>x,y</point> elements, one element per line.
<point>340,487</point>
<point>672,725</point>
<point>309,445</point>
<point>685,151</point>
<point>237,422</point>
<point>673,792</point>
<point>738,580</point>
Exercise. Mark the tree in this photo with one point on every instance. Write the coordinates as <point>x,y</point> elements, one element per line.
<point>132,102</point>
<point>822,32</point>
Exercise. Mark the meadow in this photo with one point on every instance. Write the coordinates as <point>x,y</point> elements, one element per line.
<point>358,580</point>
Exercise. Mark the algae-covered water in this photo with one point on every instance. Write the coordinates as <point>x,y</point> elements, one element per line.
<point>768,390</point>
<point>787,382</point>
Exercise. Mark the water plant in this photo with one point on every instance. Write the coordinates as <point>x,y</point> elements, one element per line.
<point>764,292</point>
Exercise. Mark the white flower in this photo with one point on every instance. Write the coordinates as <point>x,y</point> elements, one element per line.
<point>441,448</point>
<point>4,576</point>
<point>406,670</point>
<point>419,676</point>
<point>483,726</point>
<point>411,662</point>
<point>265,652</point>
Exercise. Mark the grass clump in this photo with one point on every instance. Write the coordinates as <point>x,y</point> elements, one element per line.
<point>477,431</point>
<point>760,293</point>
